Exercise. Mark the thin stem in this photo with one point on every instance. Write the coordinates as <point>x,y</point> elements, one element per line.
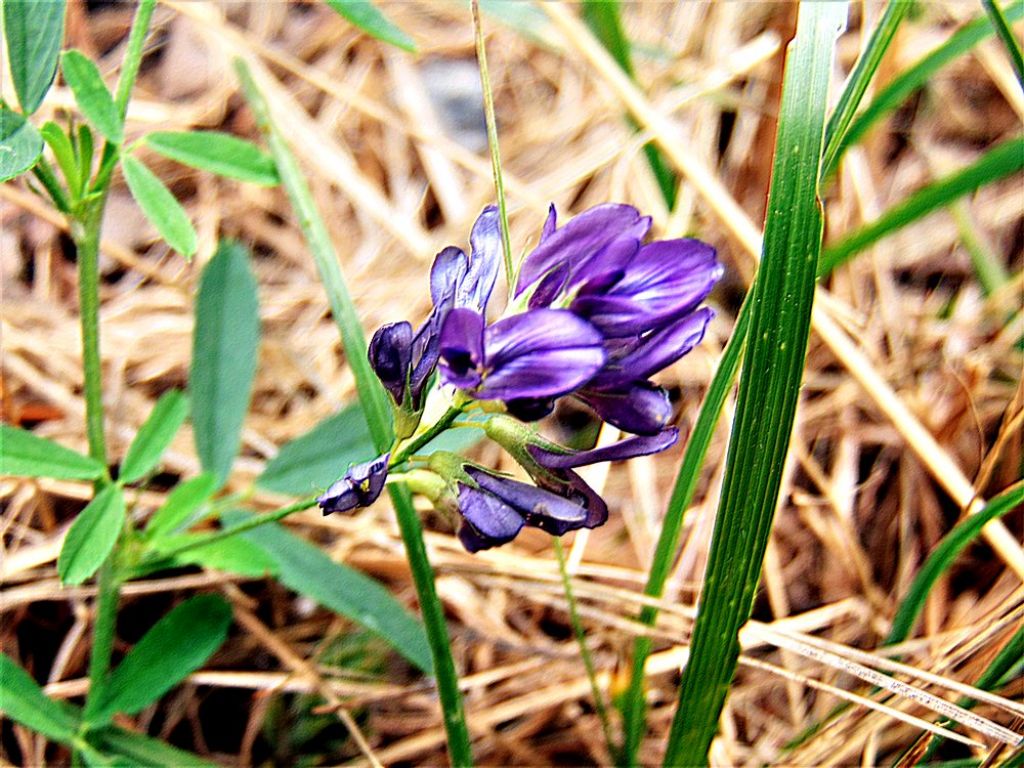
<point>86,235</point>
<point>492,140</point>
<point>133,54</point>
<point>426,436</point>
<point>581,640</point>
<point>103,629</point>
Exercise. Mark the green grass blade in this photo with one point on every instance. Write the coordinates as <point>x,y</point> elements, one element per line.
<point>917,76</point>
<point>780,317</point>
<point>858,82</point>
<point>999,162</point>
<point>634,702</point>
<point>365,15</point>
<point>225,346</point>
<point>33,31</point>
<point>604,19</point>
<point>23,454</point>
<point>378,418</point>
<point>942,558</point>
<point>1002,27</point>
<point>143,751</point>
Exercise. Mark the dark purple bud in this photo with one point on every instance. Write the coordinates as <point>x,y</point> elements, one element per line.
<point>642,408</point>
<point>640,445</point>
<point>666,280</point>
<point>360,486</point>
<point>584,237</point>
<point>390,354</point>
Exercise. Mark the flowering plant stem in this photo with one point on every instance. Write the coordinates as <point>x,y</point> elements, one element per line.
<point>375,407</point>
<point>581,640</point>
<point>402,456</point>
<point>86,222</point>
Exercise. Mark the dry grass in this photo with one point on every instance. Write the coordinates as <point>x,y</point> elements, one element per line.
<point>912,404</point>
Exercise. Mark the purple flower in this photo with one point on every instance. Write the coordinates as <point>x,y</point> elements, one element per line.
<point>404,361</point>
<point>494,509</point>
<point>360,486</point>
<point>555,457</point>
<point>541,353</point>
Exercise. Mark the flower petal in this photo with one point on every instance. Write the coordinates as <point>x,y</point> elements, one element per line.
<point>447,274</point>
<point>538,507</point>
<point>360,486</point>
<point>642,408</point>
<point>489,515</point>
<point>461,348</point>
<point>539,354</point>
<point>639,445</point>
<point>583,237</point>
<point>390,355</point>
<point>485,240</point>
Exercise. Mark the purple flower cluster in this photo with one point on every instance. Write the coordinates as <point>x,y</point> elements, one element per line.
<point>599,313</point>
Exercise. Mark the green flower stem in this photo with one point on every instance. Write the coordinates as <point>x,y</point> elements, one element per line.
<point>426,436</point>
<point>103,629</point>
<point>492,140</point>
<point>378,416</point>
<point>581,640</point>
<point>86,223</point>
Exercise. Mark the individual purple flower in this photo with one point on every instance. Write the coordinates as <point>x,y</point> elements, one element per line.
<point>556,457</point>
<point>403,360</point>
<point>494,509</point>
<point>541,353</point>
<point>359,487</point>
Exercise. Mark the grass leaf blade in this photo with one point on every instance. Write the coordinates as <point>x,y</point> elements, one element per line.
<point>999,162</point>
<point>1002,27</point>
<point>224,353</point>
<point>769,386</point>
<point>23,701</point>
<point>34,31</point>
<point>23,454</point>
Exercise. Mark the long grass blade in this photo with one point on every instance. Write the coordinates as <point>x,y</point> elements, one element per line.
<point>857,84</point>
<point>782,298</point>
<point>377,412</point>
<point>942,558</point>
<point>999,162</point>
<point>1002,27</point>
<point>917,76</point>
<point>633,705</point>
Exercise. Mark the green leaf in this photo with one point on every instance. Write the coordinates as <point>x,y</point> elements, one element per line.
<point>943,556</point>
<point>23,701</point>
<point>366,16</point>
<point>1002,27</point>
<point>780,316</point>
<point>34,31</point>
<point>917,76</point>
<point>92,95</point>
<point>219,153</point>
<point>23,454</point>
<point>159,206</point>
<point>224,352</point>
<point>233,555</point>
<point>92,536</point>
<point>138,750</point>
<point>20,144</point>
<point>999,162</point>
<point>154,436</point>
<point>181,503</point>
<point>307,570</point>
<point>316,459</point>
<point>879,42</point>
<point>170,651</point>
<point>59,143</point>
